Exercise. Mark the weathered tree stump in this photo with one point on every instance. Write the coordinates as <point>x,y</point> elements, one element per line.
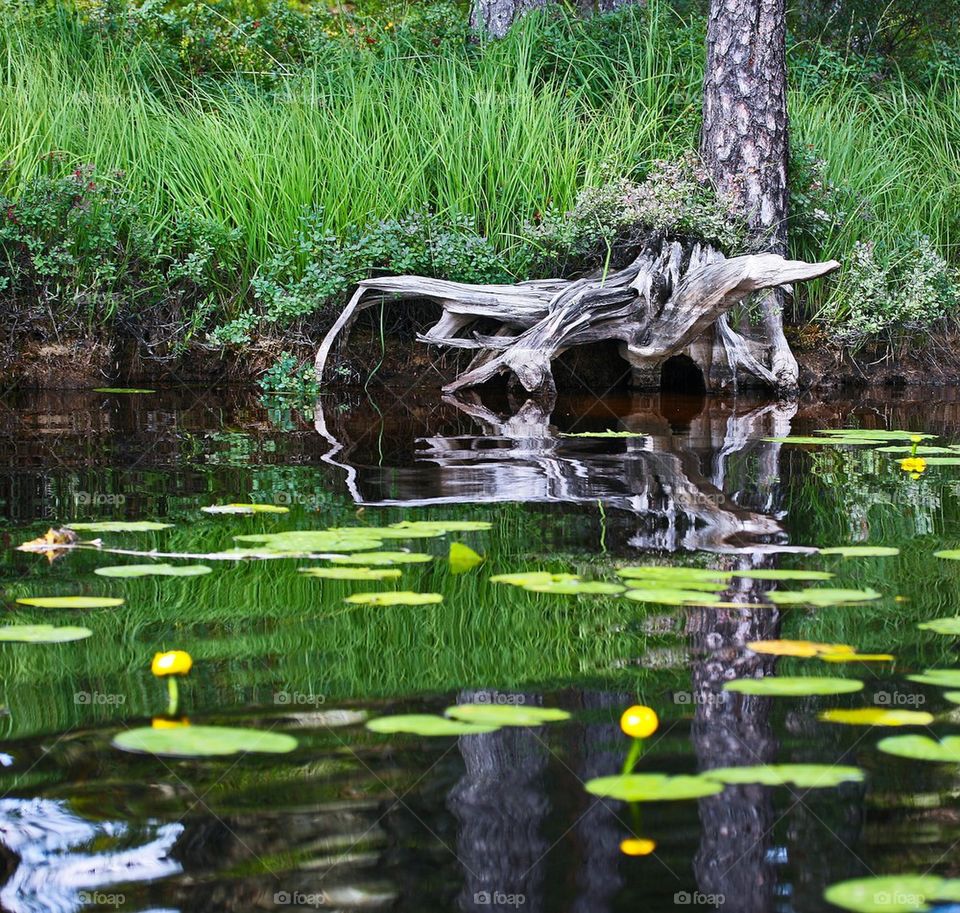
<point>671,300</point>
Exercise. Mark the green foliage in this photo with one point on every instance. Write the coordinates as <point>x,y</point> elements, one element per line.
<point>287,376</point>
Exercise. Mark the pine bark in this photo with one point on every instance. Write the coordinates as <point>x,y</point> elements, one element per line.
<point>744,141</point>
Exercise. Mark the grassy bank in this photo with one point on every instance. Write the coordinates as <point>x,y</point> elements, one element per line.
<point>489,139</point>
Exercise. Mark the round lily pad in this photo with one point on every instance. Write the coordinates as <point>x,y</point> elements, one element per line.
<point>71,602</point>
<point>577,588</point>
<point>805,776</point>
<point>398,597</point>
<point>803,648</point>
<point>862,551</point>
<point>529,578</point>
<point>674,576</point>
<point>353,573</point>
<point>892,893</point>
<point>426,724</point>
<point>941,678</point>
<point>42,634</point>
<point>202,741</point>
<point>942,625</point>
<point>153,570</point>
<point>821,596</point>
<point>783,574</point>
<point>122,390</point>
<point>306,541</point>
<point>383,558</point>
<point>447,526</point>
<point>877,716</point>
<point>653,787</point>
<point>787,686</point>
<point>245,509</point>
<point>667,596</point>
<point>923,748</point>
<point>505,714</point>
<point>601,434</point>
<point>119,526</point>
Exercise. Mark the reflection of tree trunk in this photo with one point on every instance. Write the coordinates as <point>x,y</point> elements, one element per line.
<point>728,730</point>
<point>599,831</point>
<point>501,804</point>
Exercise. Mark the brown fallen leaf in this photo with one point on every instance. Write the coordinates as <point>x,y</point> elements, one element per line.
<point>53,543</point>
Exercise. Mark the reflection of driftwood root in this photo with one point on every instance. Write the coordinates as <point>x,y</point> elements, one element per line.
<point>671,299</point>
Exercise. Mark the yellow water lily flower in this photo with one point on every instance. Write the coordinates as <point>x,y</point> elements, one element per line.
<point>914,465</point>
<point>173,662</point>
<point>637,846</point>
<point>162,722</point>
<point>639,721</point>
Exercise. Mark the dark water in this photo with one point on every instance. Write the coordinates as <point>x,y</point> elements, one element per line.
<point>355,820</point>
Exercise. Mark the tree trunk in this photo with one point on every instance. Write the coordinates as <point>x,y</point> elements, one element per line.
<point>493,18</point>
<point>744,142</point>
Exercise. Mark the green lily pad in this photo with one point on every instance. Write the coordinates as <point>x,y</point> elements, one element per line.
<point>119,526</point>
<point>821,596</point>
<point>923,748</point>
<point>951,554</point>
<point>805,776</point>
<point>202,741</point>
<point>793,686</point>
<point>505,714</point>
<point>666,596</point>
<point>676,576</point>
<point>245,509</point>
<point>877,716</point>
<point>952,696</point>
<point>307,541</point>
<point>922,450</point>
<point>394,597</point>
<point>653,787</point>
<point>426,724</point>
<point>71,602</point>
<point>699,586</point>
<point>940,678</point>
<point>577,588</point>
<point>861,551</point>
<point>876,435</point>
<point>821,441</point>
<point>892,893</point>
<point>153,570</point>
<point>942,461</point>
<point>353,573</point>
<point>42,634</point>
<point>446,526</point>
<point>388,532</point>
<point>942,625</point>
<point>601,434</point>
<point>381,558</point>
<point>462,558</point>
<point>783,574</point>
<point>532,578</point>
<point>122,390</point>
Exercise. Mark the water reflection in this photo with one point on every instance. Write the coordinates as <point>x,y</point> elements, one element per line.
<point>700,476</point>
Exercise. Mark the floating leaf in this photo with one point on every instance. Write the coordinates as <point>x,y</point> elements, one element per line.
<point>601,434</point>
<point>891,893</point>
<point>821,441</point>
<point>42,634</point>
<point>394,597</point>
<point>122,390</point>
<point>388,532</point>
<point>530,578</point>
<point>861,551</point>
<point>462,558</point>
<point>153,570</point>
<point>202,741</point>
<point>952,696</point>
<point>942,625</point>
<point>922,450</point>
<point>951,554</point>
<point>941,678</point>
<point>119,526</point>
<point>353,573</point>
<point>877,716</point>
<point>804,648</point>
<point>577,588</point>
<point>446,526</point>
<point>666,596</point>
<point>505,714</point>
<point>783,574</point>
<point>674,575</point>
<point>821,596</point>
<point>942,461</point>
<point>680,583</point>
<point>879,435</point>
<point>806,776</point>
<point>923,748</point>
<point>381,558</point>
<point>306,541</point>
<point>793,686</point>
<point>245,509</point>
<point>653,787</point>
<point>841,657</point>
<point>425,724</point>
<point>71,602</point>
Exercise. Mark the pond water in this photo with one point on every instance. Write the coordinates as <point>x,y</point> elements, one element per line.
<point>355,819</point>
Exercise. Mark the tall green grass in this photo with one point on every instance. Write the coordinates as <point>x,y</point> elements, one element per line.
<point>497,134</point>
